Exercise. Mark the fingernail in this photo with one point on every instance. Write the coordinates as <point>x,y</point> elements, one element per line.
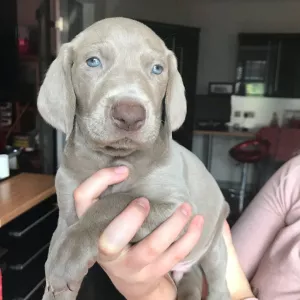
<point>142,202</point>
<point>185,209</point>
<point>114,239</point>
<point>112,242</point>
<point>121,170</point>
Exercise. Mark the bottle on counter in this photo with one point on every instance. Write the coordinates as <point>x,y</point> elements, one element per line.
<point>274,122</point>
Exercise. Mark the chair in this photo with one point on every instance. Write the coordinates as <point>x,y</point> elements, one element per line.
<point>246,153</point>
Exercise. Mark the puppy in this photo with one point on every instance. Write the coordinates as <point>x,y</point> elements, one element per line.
<point>106,91</point>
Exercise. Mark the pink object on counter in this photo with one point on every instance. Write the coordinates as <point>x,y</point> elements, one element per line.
<point>272,135</point>
<point>267,236</point>
<point>285,142</point>
<point>289,144</point>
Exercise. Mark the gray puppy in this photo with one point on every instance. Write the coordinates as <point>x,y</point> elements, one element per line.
<point>106,90</point>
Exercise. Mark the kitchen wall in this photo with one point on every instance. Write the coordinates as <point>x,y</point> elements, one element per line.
<point>220,21</point>
<point>263,110</point>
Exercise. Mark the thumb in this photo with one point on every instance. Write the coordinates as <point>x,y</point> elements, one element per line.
<point>94,186</point>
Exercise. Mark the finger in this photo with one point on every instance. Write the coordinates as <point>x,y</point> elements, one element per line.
<point>92,187</point>
<point>228,238</point>
<point>180,249</point>
<point>122,229</point>
<point>149,249</point>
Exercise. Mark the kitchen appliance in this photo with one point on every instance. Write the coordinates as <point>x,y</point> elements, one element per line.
<point>212,112</point>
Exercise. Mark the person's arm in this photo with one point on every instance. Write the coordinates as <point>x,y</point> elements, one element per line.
<point>237,282</point>
<point>265,216</point>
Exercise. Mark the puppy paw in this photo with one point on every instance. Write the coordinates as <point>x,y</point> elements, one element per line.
<point>68,263</point>
<point>63,295</point>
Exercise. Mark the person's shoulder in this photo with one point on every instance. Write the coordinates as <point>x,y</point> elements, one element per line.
<point>291,168</point>
<point>286,181</point>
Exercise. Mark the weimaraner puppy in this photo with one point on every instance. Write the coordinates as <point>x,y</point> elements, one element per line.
<point>117,94</point>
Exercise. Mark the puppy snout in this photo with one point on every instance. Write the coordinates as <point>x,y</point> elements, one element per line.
<point>128,115</point>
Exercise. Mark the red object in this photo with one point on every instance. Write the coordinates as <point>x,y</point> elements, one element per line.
<point>23,46</point>
<point>272,135</point>
<point>250,151</point>
<point>289,144</point>
<point>284,142</point>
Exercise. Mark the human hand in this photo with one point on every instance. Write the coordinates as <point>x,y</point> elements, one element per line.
<point>237,282</point>
<point>139,271</point>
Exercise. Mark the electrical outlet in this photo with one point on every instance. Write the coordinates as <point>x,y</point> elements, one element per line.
<point>249,114</point>
<point>237,114</point>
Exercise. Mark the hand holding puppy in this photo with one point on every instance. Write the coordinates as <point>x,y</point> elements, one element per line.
<point>139,271</point>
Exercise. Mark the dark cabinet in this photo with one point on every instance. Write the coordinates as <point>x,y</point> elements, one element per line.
<point>184,42</point>
<point>287,79</point>
<point>8,50</point>
<point>26,240</point>
<point>268,65</point>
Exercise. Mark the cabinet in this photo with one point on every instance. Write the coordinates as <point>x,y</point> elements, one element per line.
<point>26,240</point>
<point>8,50</point>
<point>268,65</point>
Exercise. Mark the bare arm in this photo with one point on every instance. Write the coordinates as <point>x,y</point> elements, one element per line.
<point>256,229</point>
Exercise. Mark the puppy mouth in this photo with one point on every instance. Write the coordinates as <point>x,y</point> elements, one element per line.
<point>122,146</point>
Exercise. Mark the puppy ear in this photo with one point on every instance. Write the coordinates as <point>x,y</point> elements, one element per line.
<point>56,101</point>
<point>175,97</point>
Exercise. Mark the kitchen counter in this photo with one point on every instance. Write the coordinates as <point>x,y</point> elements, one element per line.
<point>229,133</point>
<point>22,192</point>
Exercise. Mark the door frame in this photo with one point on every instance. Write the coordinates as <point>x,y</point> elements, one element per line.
<point>62,36</point>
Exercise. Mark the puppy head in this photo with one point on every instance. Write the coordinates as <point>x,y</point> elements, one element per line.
<point>111,81</point>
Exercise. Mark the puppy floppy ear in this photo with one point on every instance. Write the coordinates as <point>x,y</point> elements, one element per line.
<point>175,97</point>
<point>56,101</point>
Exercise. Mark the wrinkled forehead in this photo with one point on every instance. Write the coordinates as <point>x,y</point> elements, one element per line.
<point>121,36</point>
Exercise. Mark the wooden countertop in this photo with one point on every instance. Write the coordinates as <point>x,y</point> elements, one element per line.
<point>22,192</point>
<point>246,134</point>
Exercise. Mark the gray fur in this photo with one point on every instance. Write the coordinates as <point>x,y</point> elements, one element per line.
<point>77,100</point>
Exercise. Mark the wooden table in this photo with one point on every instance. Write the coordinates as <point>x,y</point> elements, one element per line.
<point>22,192</point>
<point>208,141</point>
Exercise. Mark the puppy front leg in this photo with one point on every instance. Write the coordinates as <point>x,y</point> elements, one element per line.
<point>77,246</point>
<point>214,265</point>
<point>190,286</point>
<point>62,226</point>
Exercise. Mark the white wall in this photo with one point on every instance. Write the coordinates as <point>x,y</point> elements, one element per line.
<point>263,109</point>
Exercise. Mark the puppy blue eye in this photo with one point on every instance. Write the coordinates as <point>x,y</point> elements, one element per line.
<point>157,69</point>
<point>93,62</point>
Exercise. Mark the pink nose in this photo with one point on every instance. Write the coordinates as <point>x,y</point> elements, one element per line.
<point>128,115</point>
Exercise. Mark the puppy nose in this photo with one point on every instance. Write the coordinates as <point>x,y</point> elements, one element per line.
<point>128,115</point>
